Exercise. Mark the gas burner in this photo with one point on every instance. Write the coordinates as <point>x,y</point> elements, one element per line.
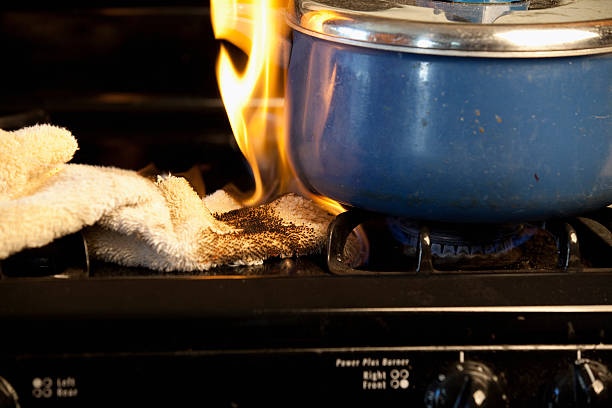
<point>400,245</point>
<point>462,247</point>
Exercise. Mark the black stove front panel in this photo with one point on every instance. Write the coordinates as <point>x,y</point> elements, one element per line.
<point>434,341</point>
<point>501,376</point>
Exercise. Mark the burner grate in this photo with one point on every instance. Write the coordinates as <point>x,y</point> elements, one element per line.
<point>577,244</point>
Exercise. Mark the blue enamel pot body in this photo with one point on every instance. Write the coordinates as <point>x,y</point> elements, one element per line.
<point>451,138</point>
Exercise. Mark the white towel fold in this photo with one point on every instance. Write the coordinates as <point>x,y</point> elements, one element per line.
<point>134,221</point>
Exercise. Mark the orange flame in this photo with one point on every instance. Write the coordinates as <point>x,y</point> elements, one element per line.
<point>254,97</point>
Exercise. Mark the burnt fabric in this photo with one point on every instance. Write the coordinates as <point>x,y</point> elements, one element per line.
<point>131,220</point>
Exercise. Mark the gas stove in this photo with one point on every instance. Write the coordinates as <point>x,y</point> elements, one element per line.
<point>431,315</point>
<point>321,330</point>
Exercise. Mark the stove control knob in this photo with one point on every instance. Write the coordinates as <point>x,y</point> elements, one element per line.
<point>587,384</point>
<point>467,385</point>
<point>8,396</point>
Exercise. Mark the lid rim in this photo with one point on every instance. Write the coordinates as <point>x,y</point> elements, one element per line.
<point>532,38</point>
<point>478,53</point>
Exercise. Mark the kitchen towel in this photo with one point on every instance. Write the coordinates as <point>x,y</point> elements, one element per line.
<point>131,220</point>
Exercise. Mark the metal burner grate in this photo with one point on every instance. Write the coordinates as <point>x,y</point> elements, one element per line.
<point>577,244</point>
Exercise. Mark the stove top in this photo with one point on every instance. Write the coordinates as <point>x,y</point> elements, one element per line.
<point>59,282</point>
<point>432,315</point>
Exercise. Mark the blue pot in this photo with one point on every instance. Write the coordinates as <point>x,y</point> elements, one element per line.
<point>451,138</point>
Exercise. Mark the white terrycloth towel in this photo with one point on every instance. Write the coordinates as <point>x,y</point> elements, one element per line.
<point>133,221</point>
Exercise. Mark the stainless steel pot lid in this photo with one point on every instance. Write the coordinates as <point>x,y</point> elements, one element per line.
<point>484,28</point>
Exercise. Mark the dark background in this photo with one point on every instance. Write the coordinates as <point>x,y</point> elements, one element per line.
<point>133,80</point>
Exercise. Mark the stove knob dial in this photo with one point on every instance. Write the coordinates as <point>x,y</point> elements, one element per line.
<point>587,384</point>
<point>467,385</point>
<point>8,396</point>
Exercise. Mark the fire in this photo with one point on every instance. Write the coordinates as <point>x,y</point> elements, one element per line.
<point>254,97</point>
